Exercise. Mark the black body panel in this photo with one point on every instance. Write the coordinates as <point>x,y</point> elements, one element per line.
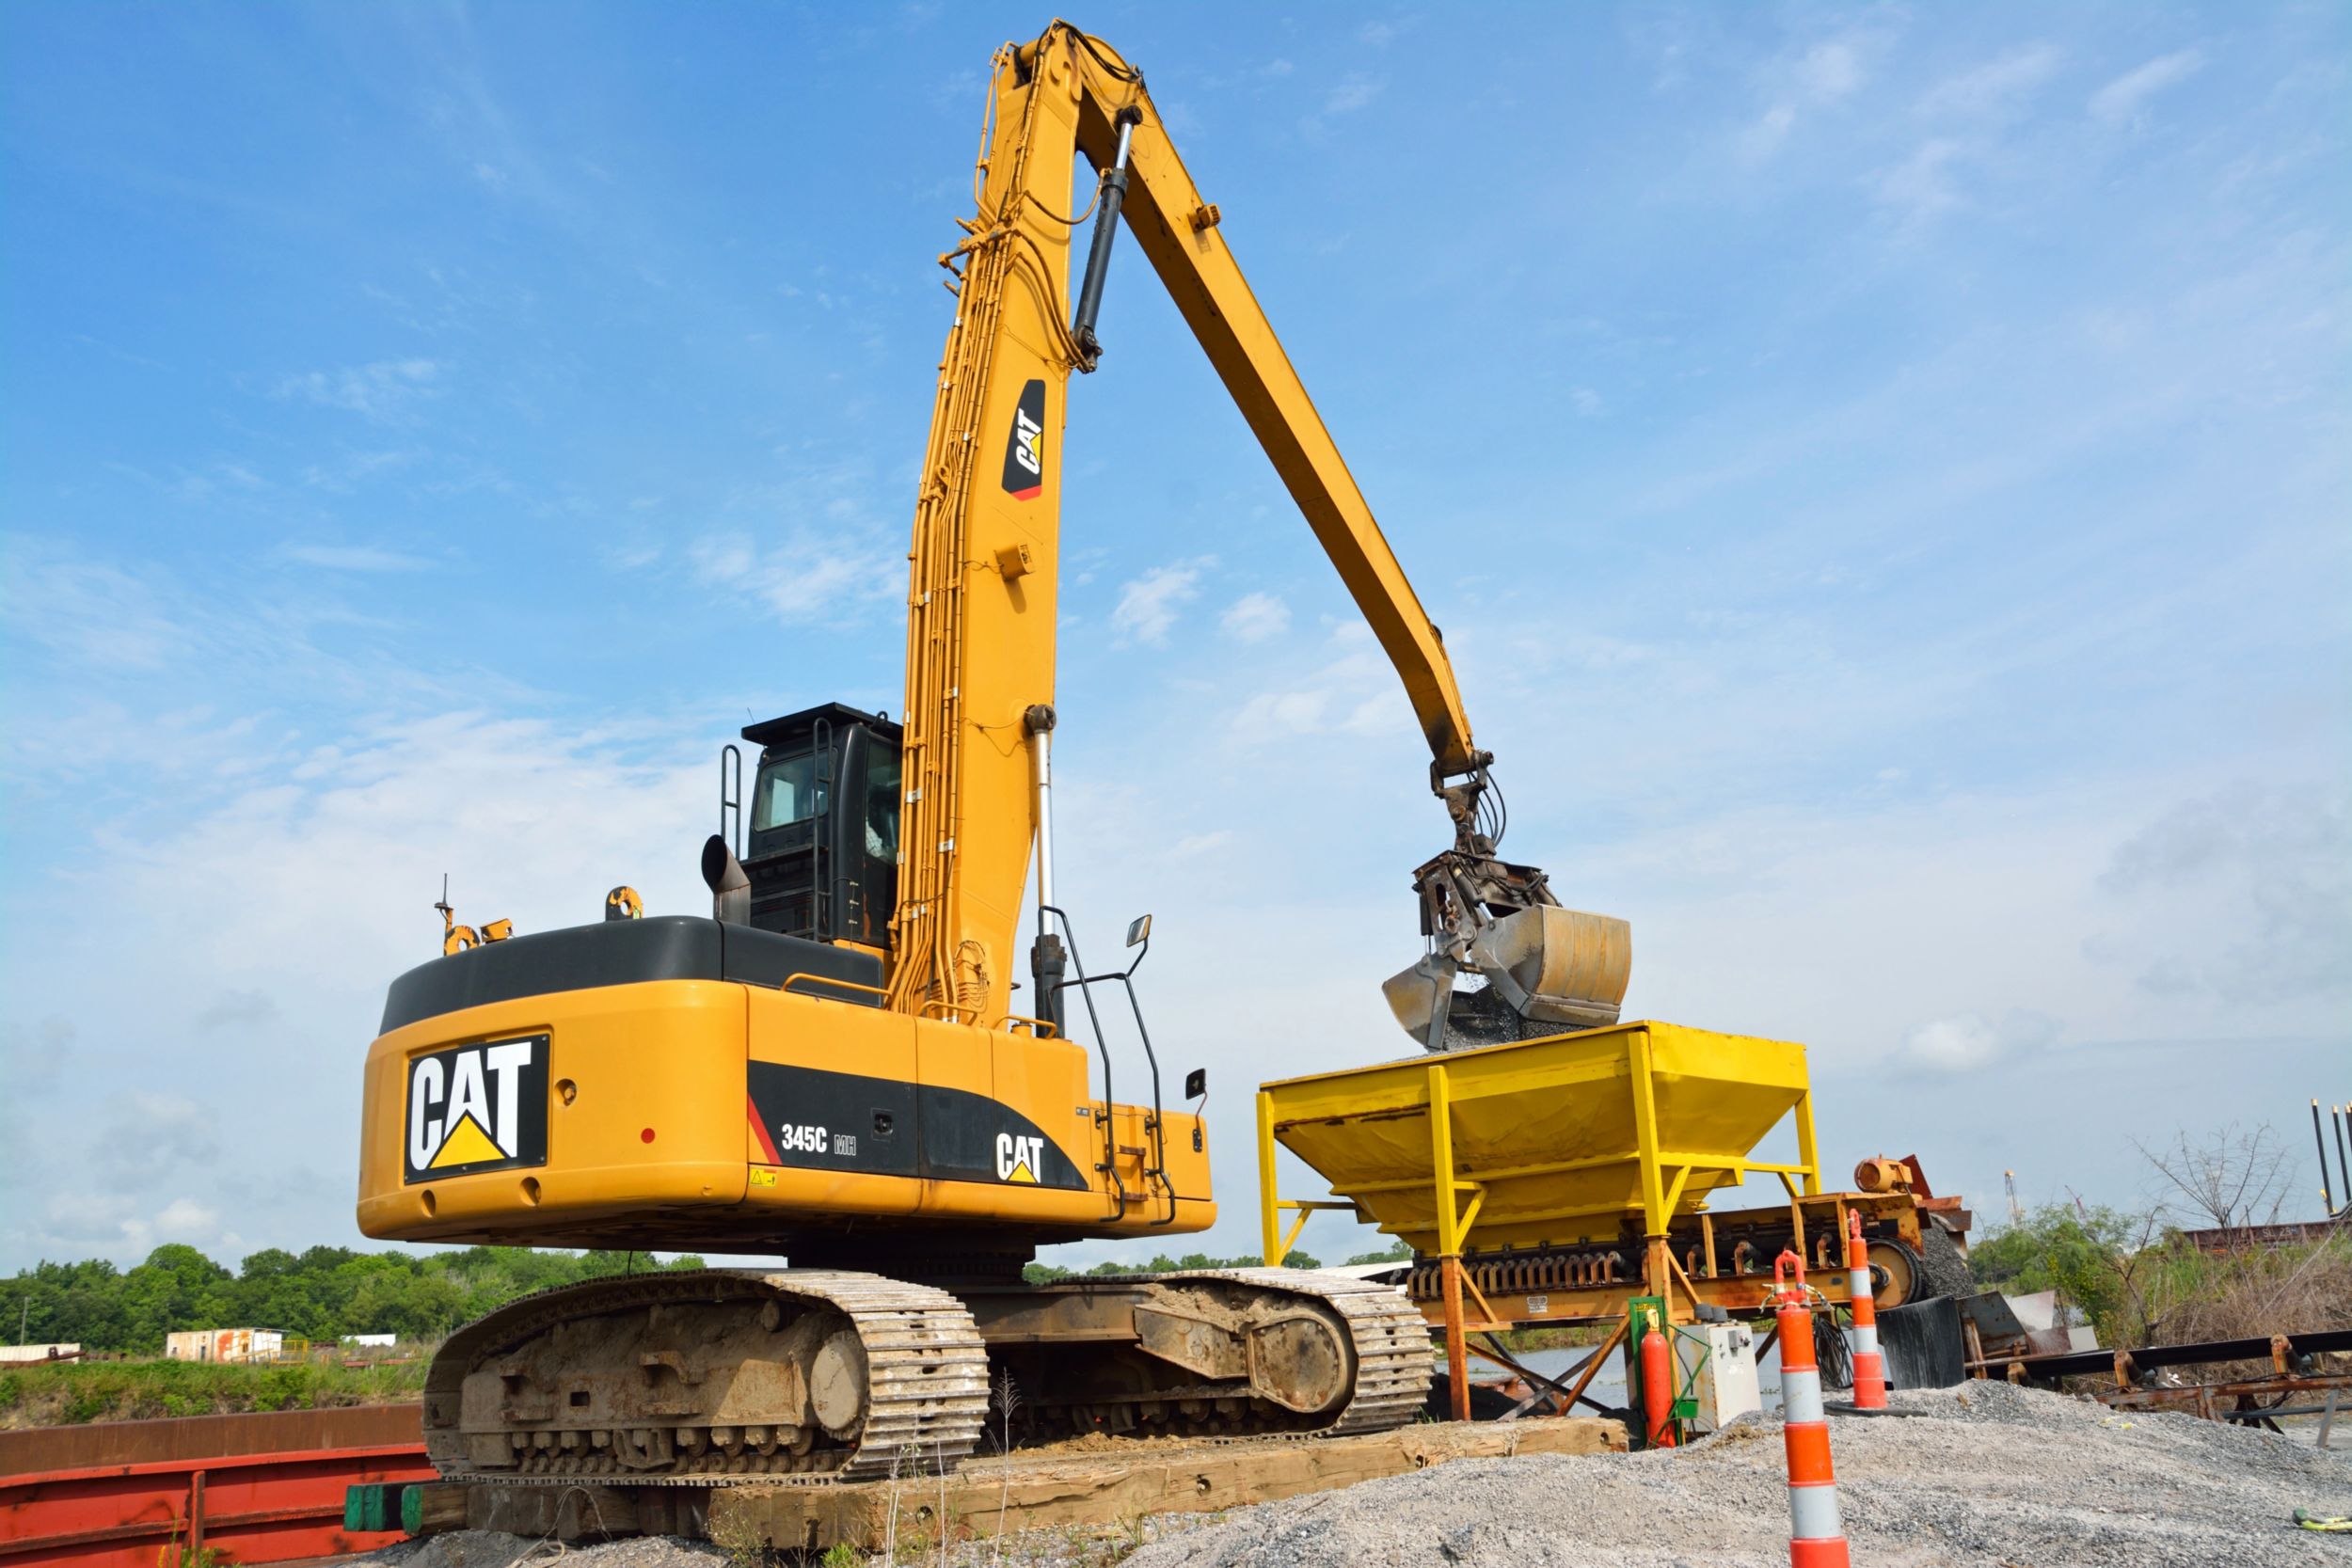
<point>888,1126</point>
<point>627,952</point>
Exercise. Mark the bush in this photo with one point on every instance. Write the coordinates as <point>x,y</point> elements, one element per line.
<point>2137,1288</point>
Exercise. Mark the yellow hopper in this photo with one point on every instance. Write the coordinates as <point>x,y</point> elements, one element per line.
<point>1543,1142</point>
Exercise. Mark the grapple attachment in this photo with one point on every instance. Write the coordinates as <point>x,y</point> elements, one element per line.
<point>1548,970</point>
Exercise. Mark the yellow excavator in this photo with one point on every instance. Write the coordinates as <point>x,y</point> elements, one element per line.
<point>834,1065</point>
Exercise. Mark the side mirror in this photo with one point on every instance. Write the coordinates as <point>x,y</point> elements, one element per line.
<point>1196,1083</point>
<point>1139,929</point>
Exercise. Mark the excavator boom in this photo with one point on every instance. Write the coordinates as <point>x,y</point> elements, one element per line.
<point>981,594</point>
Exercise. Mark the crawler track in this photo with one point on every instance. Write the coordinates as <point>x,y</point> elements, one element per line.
<point>1393,1364</point>
<point>680,1379</point>
<point>925,1374</point>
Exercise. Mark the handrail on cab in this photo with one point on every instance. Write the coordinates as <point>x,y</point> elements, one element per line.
<point>816,978</point>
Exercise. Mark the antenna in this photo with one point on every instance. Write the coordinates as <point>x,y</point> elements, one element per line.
<point>449,921</point>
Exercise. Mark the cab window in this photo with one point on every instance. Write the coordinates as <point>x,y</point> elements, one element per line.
<point>881,806</point>
<point>789,792</point>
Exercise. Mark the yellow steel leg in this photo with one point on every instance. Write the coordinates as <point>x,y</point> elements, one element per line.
<point>1269,1217</point>
<point>1654,1211</point>
<point>1807,1155</point>
<point>1448,1239</point>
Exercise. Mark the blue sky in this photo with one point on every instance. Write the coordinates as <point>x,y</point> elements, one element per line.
<point>1882,472</point>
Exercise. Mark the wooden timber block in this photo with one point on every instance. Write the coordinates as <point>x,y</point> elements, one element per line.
<point>569,1511</point>
<point>1116,1482</point>
<point>431,1507</point>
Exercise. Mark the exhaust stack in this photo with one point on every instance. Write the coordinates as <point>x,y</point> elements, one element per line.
<point>730,889</point>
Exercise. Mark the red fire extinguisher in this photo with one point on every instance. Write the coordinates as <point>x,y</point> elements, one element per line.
<point>1658,1388</point>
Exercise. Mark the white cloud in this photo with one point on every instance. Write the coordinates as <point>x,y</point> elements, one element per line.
<point>113,642</point>
<point>1762,137</point>
<point>1256,617</point>
<point>1354,692</point>
<point>344,474</point>
<point>334,875</point>
<point>1587,403</point>
<point>1972,1042</point>
<point>184,1219</point>
<point>2124,101</point>
<point>1355,92</point>
<point>1830,71</point>
<point>1149,605</point>
<point>353,558</point>
<point>1920,187</point>
<point>809,577</point>
<point>237,1009</point>
<point>1200,844</point>
<point>89,612</point>
<point>1994,89</point>
<point>1824,74</point>
<point>2269,866</point>
<point>171,1131</point>
<point>386,390</point>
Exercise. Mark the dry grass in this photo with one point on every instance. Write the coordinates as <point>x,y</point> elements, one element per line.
<point>2304,1290</point>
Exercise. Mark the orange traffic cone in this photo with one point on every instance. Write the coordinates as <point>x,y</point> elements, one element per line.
<point>1870,1366</point>
<point>1816,1535</point>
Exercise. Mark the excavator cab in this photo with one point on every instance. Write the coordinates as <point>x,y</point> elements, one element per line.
<point>820,828</point>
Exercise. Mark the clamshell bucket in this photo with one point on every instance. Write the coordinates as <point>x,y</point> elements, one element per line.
<point>1546,969</point>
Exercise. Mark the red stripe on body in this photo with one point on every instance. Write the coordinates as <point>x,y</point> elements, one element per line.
<point>759,1131</point>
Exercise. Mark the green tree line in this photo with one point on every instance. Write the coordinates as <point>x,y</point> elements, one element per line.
<point>320,1293</point>
<point>1045,1273</point>
<point>324,1293</point>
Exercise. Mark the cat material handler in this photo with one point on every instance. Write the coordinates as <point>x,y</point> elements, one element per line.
<point>835,1066</point>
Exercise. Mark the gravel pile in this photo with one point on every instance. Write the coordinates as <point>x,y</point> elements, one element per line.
<point>480,1548</point>
<point>1988,1474</point>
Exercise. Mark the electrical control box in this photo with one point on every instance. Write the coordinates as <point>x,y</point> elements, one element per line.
<point>1716,1362</point>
